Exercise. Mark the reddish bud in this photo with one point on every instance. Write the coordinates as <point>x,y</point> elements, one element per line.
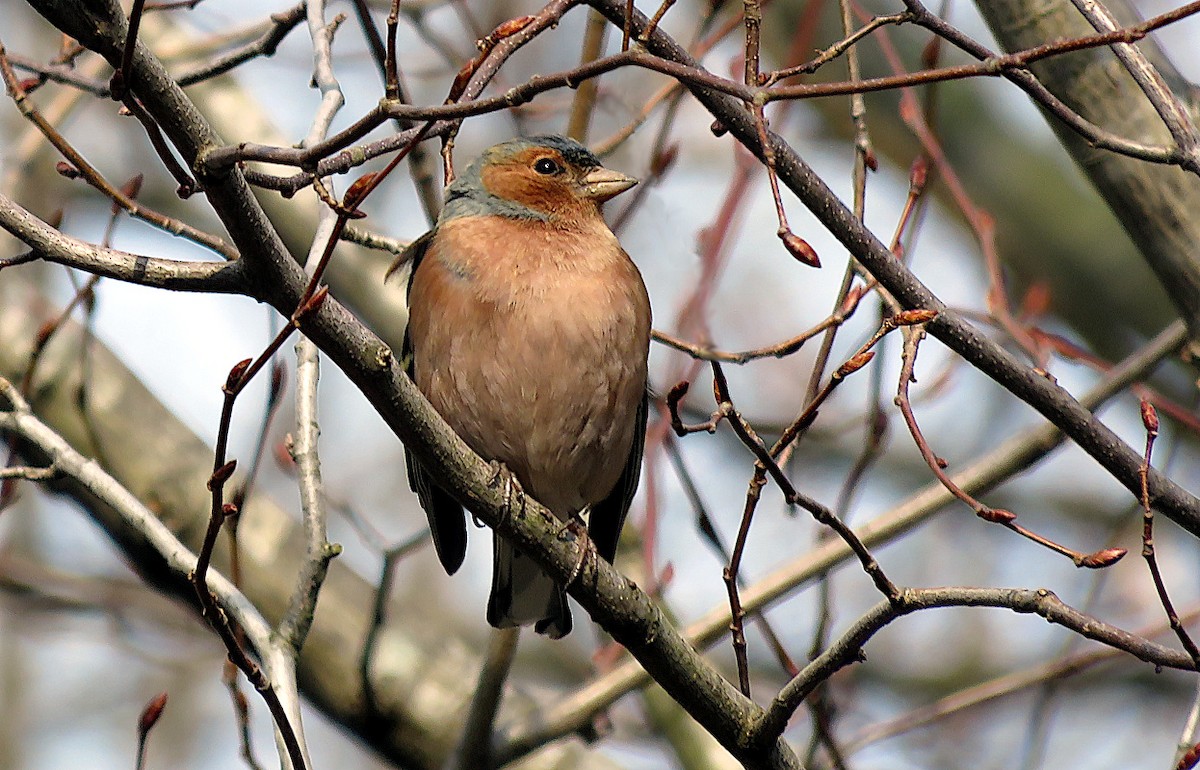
<point>855,363</point>
<point>151,713</point>
<point>853,297</point>
<point>931,52</point>
<point>222,474</point>
<point>879,427</point>
<point>462,78</point>
<point>1037,300</point>
<point>718,128</point>
<point>314,303</point>
<point>43,333</point>
<point>677,392</point>
<point>1149,418</point>
<point>871,159</point>
<point>229,510</point>
<point>67,170</point>
<point>134,186</point>
<point>510,27</point>
<point>130,190</point>
<point>914,317</point>
<point>996,515</point>
<point>986,224</point>
<point>663,160</point>
<point>941,462</point>
<point>1102,559</point>
<point>29,84</point>
<point>674,396</point>
<point>283,457</point>
<point>918,174</point>
<point>799,248</point>
<point>235,374</point>
<point>358,190</point>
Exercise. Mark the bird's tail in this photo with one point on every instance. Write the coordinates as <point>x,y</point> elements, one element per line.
<point>522,594</point>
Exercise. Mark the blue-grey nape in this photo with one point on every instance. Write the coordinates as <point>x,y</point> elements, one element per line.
<point>466,195</point>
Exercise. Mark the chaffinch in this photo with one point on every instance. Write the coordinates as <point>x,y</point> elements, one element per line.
<point>528,331</point>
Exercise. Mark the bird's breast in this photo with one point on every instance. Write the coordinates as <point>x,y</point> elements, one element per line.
<point>532,344</point>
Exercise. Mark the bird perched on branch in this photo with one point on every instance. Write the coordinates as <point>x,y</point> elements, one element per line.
<point>528,331</point>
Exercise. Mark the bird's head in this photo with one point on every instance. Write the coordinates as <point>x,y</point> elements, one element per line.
<point>542,177</point>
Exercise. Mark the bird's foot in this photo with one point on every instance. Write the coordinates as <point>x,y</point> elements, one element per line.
<point>577,527</point>
<point>503,477</point>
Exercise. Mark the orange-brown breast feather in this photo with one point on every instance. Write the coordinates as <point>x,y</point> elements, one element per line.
<point>531,341</point>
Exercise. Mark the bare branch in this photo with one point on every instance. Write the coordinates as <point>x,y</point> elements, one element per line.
<point>53,245</point>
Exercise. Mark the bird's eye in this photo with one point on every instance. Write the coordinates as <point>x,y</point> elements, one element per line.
<point>546,166</point>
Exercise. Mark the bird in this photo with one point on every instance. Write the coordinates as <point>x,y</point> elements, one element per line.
<point>529,332</point>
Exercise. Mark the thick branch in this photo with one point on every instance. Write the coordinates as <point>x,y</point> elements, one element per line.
<point>1155,204</point>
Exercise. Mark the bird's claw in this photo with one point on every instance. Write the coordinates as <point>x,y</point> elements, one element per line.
<point>576,527</point>
<point>502,476</point>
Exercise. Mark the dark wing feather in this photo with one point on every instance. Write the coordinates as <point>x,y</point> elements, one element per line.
<point>447,521</point>
<point>608,516</point>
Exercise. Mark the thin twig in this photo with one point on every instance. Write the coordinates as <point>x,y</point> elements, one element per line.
<point>1150,422</point>
<point>848,649</point>
<point>79,166</point>
<point>912,338</point>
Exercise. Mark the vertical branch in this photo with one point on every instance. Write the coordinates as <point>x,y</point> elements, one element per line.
<point>584,103</point>
<point>384,53</point>
<point>475,744</point>
<point>733,569</point>
<point>627,26</point>
<point>1150,422</point>
<point>391,67</point>
<point>864,158</point>
<point>796,246</point>
<point>391,559</point>
<point>123,77</point>
<point>752,18</point>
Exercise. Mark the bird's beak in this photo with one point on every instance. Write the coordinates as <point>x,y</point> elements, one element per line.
<point>600,184</point>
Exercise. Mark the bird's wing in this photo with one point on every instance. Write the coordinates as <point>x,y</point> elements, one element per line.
<point>608,516</point>
<point>447,521</point>
<point>412,253</point>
